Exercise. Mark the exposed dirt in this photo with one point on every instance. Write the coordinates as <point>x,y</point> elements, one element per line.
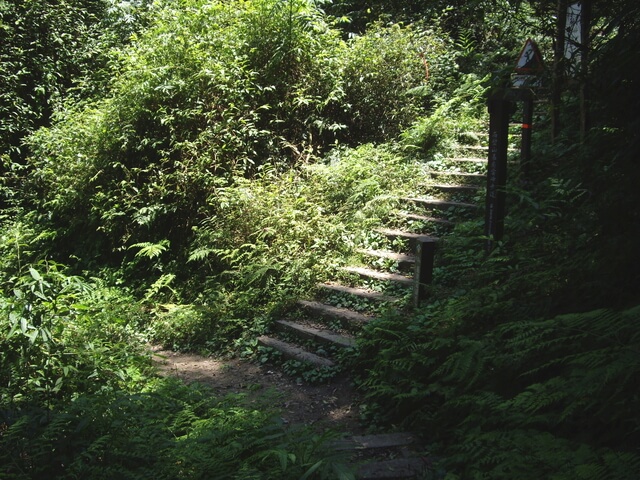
<point>333,405</point>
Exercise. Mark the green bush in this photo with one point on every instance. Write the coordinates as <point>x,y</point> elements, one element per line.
<point>392,75</point>
<point>62,335</point>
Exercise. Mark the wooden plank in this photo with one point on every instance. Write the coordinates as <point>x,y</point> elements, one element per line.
<point>357,292</point>
<point>375,274</point>
<point>329,311</point>
<point>396,257</point>
<point>381,440</point>
<point>453,188</point>
<point>477,176</point>
<point>466,159</point>
<point>295,353</point>
<point>390,232</point>
<point>437,203</point>
<point>315,334</point>
<point>392,469</point>
<point>424,218</point>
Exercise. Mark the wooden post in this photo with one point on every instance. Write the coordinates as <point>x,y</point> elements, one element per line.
<point>425,252</point>
<point>499,112</point>
<point>527,128</point>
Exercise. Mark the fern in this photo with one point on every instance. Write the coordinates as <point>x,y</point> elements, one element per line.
<point>200,254</point>
<point>150,250</point>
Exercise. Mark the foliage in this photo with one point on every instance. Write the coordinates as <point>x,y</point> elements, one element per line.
<point>462,112</point>
<point>525,399</point>
<point>165,430</point>
<point>50,52</point>
<point>393,74</point>
<point>198,163</point>
<point>62,335</point>
<point>77,398</point>
<point>487,33</point>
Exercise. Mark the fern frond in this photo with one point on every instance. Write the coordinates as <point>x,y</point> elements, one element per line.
<point>150,250</point>
<point>200,254</point>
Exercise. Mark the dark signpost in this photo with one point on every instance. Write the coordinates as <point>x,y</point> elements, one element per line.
<point>526,77</point>
<point>499,112</point>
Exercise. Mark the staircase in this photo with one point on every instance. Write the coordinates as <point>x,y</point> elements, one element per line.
<point>393,272</point>
<point>394,266</point>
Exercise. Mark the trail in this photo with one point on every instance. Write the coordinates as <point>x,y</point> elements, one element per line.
<point>333,405</point>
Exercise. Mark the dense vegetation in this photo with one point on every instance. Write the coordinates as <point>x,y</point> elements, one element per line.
<point>181,171</point>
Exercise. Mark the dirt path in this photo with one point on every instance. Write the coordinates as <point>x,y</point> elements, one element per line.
<point>333,405</point>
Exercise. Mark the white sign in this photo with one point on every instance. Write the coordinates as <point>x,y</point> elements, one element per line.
<point>573,36</point>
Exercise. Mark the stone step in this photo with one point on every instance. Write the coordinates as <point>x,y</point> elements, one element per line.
<point>357,292</point>
<point>294,352</point>
<point>326,337</point>
<point>377,275</point>
<point>330,312</point>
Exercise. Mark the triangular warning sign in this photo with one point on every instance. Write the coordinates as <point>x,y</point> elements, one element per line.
<point>530,60</point>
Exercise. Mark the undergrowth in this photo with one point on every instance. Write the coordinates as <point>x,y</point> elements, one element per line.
<point>79,397</point>
<point>524,364</point>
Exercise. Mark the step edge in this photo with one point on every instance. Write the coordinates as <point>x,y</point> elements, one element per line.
<point>289,350</point>
<point>389,255</point>
<point>378,275</point>
<point>338,312</point>
<point>323,336</point>
<point>402,233</point>
<point>356,291</point>
<point>438,202</point>
<point>423,218</point>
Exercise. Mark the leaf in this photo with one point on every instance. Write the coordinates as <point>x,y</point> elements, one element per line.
<point>34,273</point>
<point>33,336</point>
<point>311,470</point>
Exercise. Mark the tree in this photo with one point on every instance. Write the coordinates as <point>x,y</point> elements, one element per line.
<point>51,50</point>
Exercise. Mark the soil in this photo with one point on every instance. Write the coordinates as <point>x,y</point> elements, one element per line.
<point>333,405</point>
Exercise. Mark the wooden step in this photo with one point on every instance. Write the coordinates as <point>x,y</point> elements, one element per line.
<point>327,337</point>
<point>374,456</point>
<point>330,312</point>
<point>403,260</point>
<point>475,148</point>
<point>380,440</point>
<point>425,218</point>
<point>391,232</point>
<point>466,175</point>
<point>411,238</point>
<point>357,292</point>
<point>466,159</point>
<point>456,188</point>
<point>377,275</point>
<point>295,353</point>
<point>394,469</point>
<point>441,204</point>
